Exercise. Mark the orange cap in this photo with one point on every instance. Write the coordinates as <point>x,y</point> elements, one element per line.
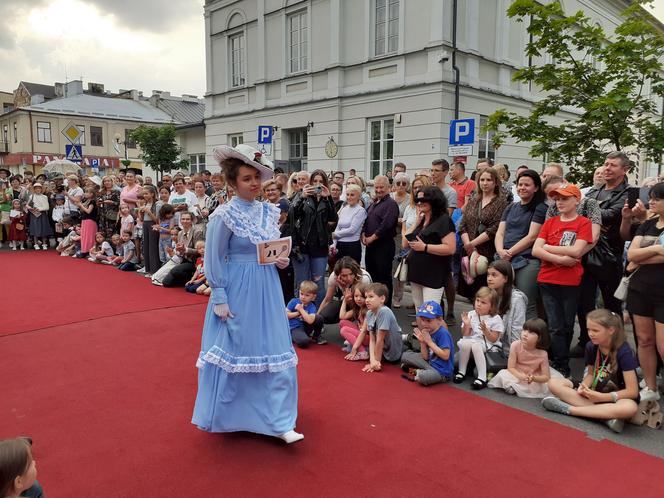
<point>567,190</point>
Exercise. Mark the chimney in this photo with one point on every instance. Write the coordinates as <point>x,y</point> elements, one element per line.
<point>189,98</point>
<point>59,89</point>
<point>134,94</point>
<point>73,88</point>
<point>96,88</point>
<point>156,93</point>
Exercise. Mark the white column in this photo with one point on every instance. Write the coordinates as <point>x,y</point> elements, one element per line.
<point>335,32</point>
<point>436,22</point>
<point>208,56</point>
<point>260,56</point>
<point>472,40</point>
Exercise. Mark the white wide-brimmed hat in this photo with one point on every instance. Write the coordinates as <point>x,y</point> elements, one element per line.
<point>248,155</point>
<point>478,264</point>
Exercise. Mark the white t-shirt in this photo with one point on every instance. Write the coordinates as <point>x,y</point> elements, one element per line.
<point>70,207</point>
<point>366,278</point>
<point>494,322</point>
<point>107,249</point>
<point>188,198</point>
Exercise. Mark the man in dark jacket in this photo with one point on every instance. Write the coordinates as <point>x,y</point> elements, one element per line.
<point>378,235</point>
<point>603,266</point>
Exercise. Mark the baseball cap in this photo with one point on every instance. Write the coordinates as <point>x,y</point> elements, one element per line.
<point>567,190</point>
<point>430,309</point>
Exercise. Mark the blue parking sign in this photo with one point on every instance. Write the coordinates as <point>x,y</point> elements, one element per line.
<point>462,132</point>
<point>264,134</point>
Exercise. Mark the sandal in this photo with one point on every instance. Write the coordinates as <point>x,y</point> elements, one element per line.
<point>362,355</point>
<point>459,378</point>
<point>478,384</point>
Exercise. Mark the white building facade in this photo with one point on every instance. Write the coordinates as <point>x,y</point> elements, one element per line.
<point>373,76</point>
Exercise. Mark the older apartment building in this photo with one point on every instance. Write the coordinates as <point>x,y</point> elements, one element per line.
<point>31,134</point>
<point>366,83</point>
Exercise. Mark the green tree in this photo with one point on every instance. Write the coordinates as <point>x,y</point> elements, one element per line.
<point>158,148</point>
<point>606,81</point>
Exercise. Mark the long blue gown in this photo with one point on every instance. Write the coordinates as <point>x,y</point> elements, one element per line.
<point>247,379</point>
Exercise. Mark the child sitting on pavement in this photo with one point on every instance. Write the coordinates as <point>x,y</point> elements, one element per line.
<point>385,341</point>
<point>198,283</point>
<point>435,361</point>
<point>302,318</point>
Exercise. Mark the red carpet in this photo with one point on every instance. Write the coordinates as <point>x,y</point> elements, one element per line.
<point>108,403</point>
<point>67,290</point>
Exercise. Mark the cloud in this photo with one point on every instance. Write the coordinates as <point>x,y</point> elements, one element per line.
<point>40,45</point>
<point>152,15</point>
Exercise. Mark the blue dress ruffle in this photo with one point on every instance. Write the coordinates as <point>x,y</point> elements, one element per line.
<point>247,378</point>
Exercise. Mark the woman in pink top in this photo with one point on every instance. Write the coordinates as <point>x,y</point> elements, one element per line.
<point>527,369</point>
<point>129,194</point>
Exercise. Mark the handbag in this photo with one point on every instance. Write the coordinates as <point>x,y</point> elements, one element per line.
<point>623,287</point>
<point>496,358</point>
<point>401,273</point>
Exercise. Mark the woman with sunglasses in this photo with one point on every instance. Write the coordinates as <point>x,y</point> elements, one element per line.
<point>432,241</point>
<point>400,195</point>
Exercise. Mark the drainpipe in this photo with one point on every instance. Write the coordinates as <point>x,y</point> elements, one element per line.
<point>454,61</point>
<point>32,140</point>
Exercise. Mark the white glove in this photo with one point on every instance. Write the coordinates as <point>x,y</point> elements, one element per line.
<point>282,263</point>
<point>223,311</point>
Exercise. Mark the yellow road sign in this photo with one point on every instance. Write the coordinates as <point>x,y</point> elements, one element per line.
<point>72,133</point>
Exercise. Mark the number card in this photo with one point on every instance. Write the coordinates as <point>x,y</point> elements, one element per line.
<point>269,251</point>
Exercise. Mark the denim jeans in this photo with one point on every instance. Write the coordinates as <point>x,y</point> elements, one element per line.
<point>560,303</point>
<point>311,269</point>
<point>525,279</point>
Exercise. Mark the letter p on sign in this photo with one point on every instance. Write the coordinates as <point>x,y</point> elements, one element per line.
<point>264,134</point>
<point>462,132</point>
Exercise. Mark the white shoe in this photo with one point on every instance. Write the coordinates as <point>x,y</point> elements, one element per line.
<point>22,248</point>
<point>291,437</point>
<point>36,247</point>
<point>92,260</point>
<point>45,247</point>
<point>14,248</point>
<point>648,394</point>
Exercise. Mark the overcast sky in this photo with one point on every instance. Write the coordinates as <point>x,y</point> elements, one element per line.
<point>142,44</point>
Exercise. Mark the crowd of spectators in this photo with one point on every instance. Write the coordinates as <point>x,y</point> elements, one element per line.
<point>533,257</point>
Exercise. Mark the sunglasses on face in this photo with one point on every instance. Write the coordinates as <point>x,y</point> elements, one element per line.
<point>401,183</point>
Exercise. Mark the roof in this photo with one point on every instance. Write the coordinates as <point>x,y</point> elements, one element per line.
<point>104,107</point>
<point>183,111</point>
<point>48,91</point>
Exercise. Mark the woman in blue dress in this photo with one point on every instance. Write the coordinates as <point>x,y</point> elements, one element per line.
<point>247,379</point>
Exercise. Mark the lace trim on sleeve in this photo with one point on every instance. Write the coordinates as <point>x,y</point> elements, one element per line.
<point>258,222</point>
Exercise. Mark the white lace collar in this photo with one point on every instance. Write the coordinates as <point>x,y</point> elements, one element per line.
<point>257,221</point>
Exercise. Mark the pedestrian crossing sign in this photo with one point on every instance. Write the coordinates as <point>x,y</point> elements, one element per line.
<point>74,153</point>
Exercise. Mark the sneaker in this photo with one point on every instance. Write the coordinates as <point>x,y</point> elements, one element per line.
<point>92,260</point>
<point>553,404</point>
<point>148,275</point>
<point>106,262</point>
<point>321,341</point>
<point>510,390</point>
<point>36,247</point>
<point>347,349</point>
<point>159,284</point>
<point>22,248</point>
<point>615,424</point>
<point>45,247</point>
<point>14,248</point>
<point>648,394</point>
<point>141,270</point>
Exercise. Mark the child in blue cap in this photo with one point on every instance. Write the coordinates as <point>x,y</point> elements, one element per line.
<point>435,361</point>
